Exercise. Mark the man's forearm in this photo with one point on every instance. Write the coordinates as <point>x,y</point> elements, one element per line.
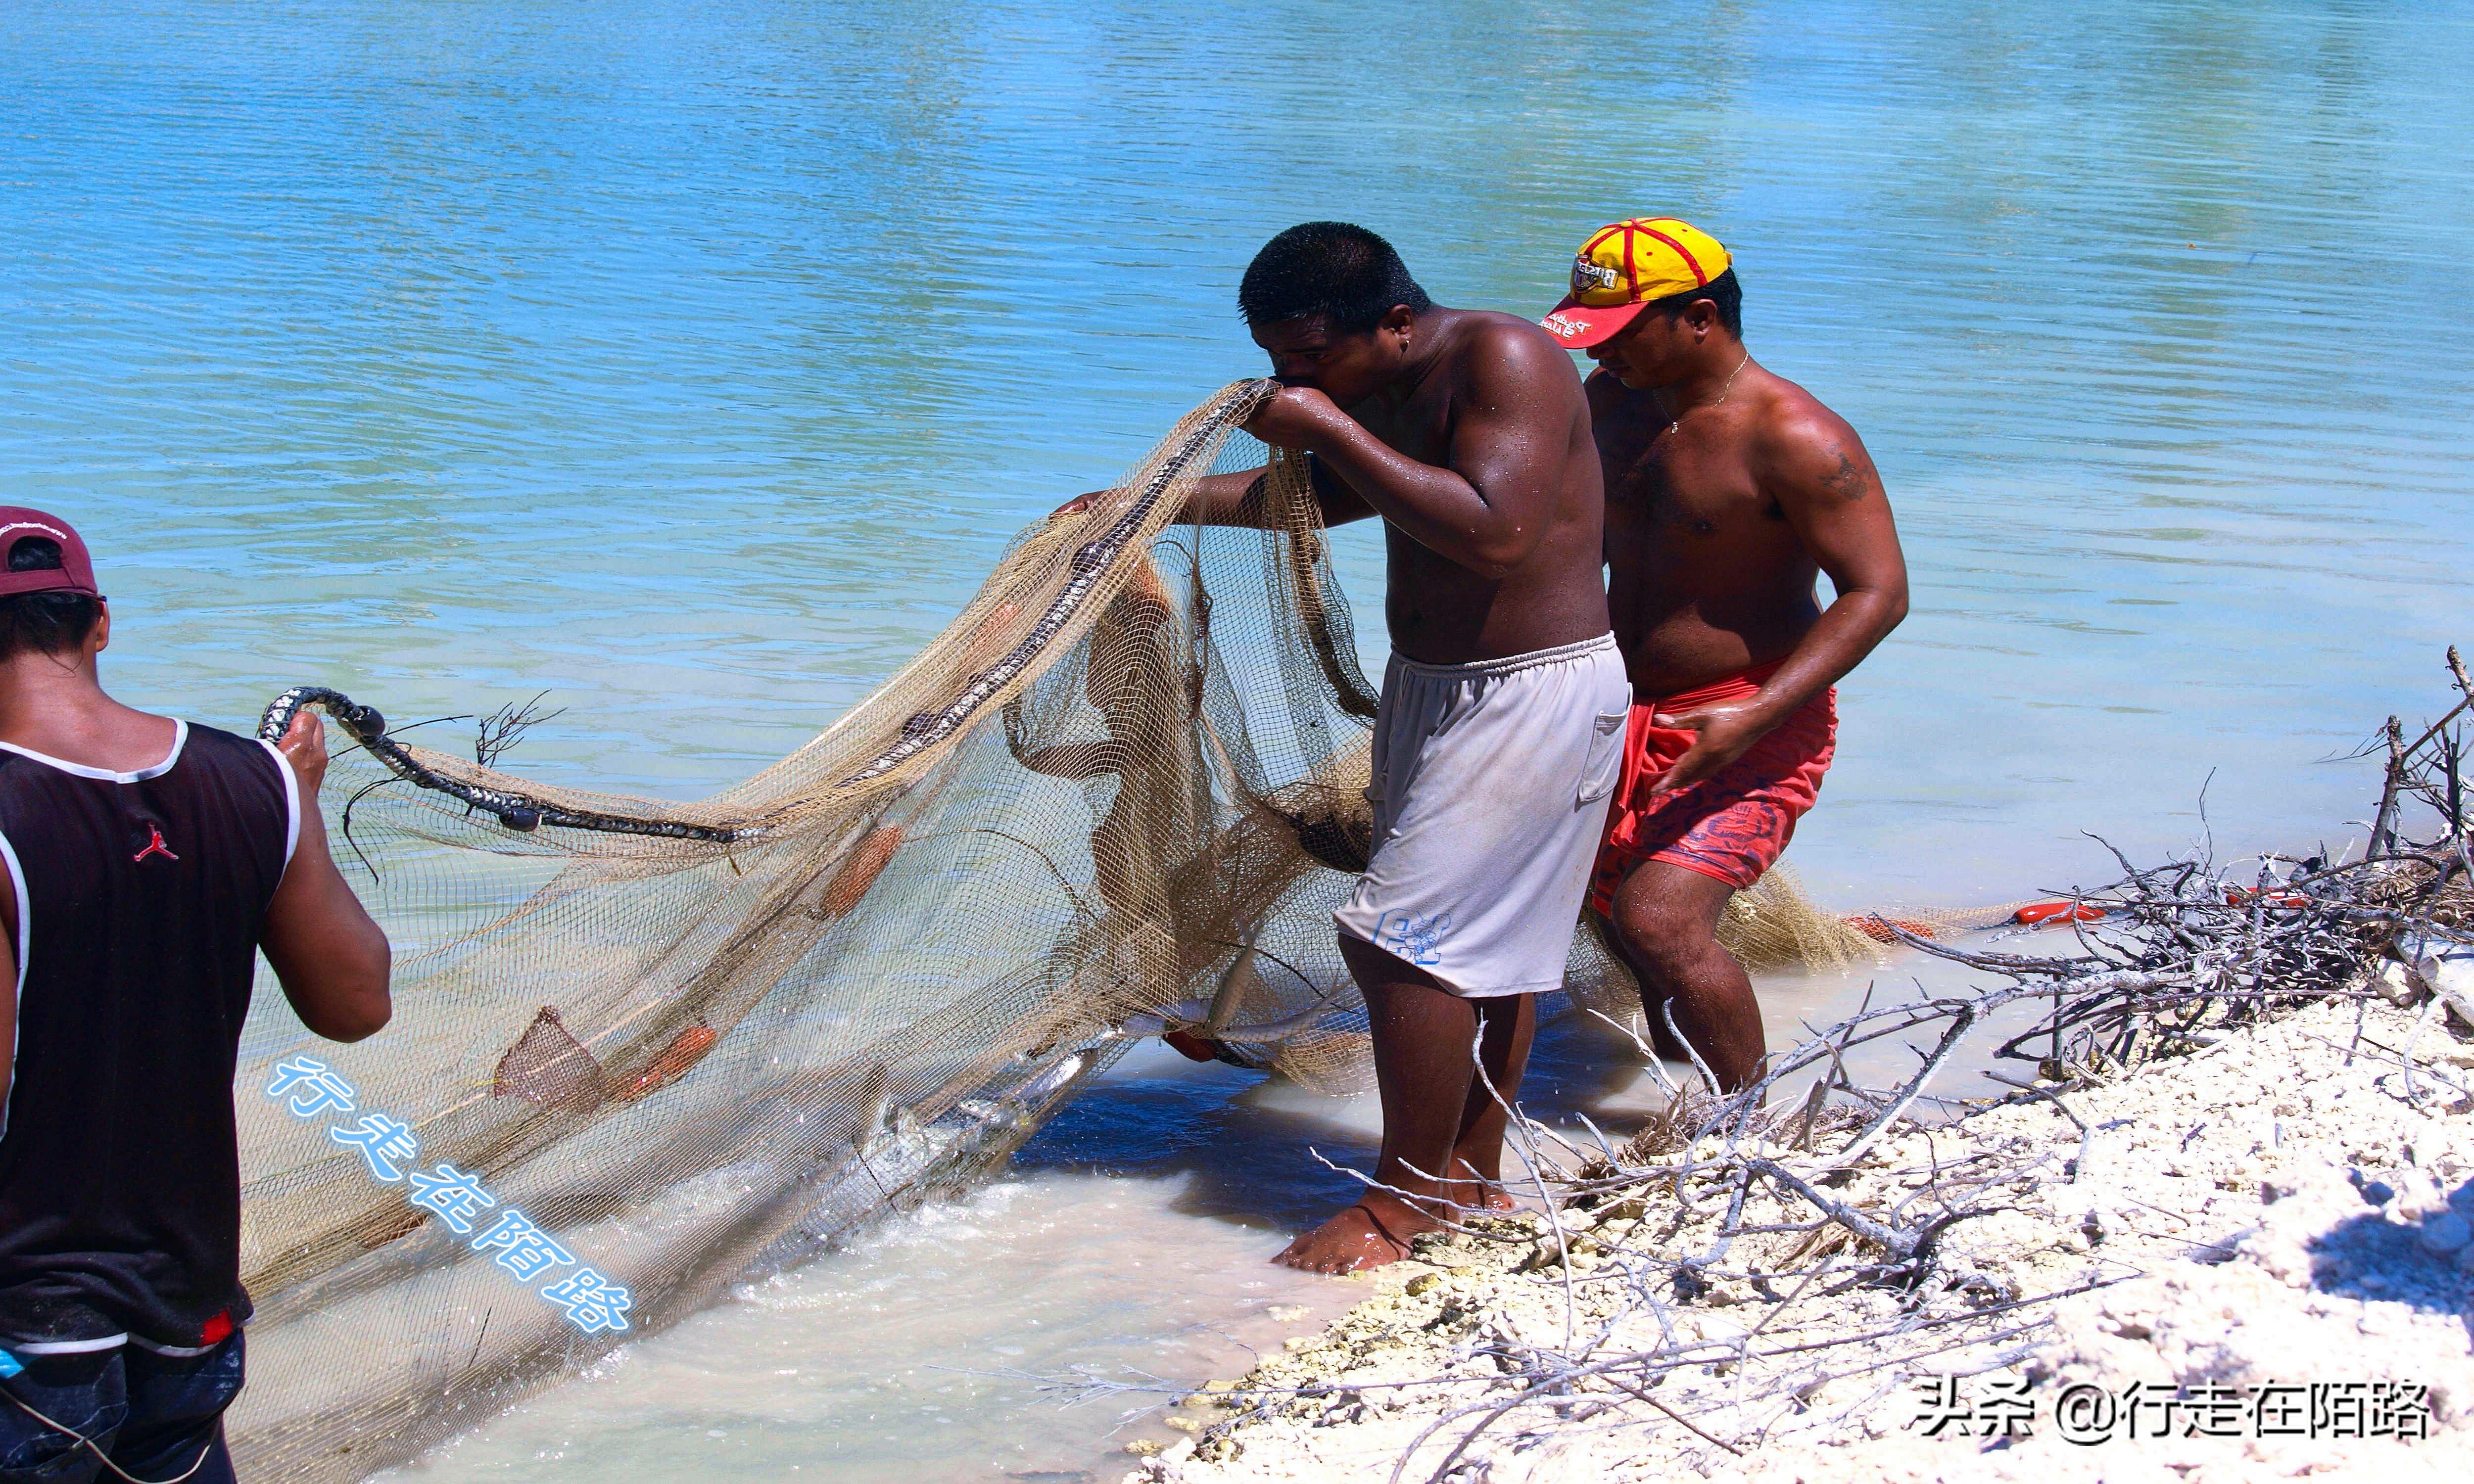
<point>1438,509</point>
<point>1233,500</point>
<point>1223,499</point>
<point>331,959</point>
<point>1848,631</point>
<point>1216,500</point>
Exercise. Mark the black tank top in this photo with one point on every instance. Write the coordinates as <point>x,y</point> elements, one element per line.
<point>139,897</point>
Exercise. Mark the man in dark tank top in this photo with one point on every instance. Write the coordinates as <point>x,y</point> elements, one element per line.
<point>144,863</point>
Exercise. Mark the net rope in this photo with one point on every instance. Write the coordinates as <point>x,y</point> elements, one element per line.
<point>684,1043</point>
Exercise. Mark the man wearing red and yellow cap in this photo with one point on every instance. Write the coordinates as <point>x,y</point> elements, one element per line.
<point>1729,491</point>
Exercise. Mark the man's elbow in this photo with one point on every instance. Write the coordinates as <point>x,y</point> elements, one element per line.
<point>357,1010</point>
<point>1882,604</point>
<point>353,998</point>
<point>355,1025</point>
<point>1496,558</point>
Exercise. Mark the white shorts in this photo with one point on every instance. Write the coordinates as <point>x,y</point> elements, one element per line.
<point>1490,794</point>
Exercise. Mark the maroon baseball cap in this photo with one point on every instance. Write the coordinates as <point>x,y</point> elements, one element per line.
<point>74,574</point>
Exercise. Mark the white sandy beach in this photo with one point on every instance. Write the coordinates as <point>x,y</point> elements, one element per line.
<point>2271,1209</point>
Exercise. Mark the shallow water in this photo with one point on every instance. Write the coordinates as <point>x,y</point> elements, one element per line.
<point>689,363</point>
<point>894,1357</point>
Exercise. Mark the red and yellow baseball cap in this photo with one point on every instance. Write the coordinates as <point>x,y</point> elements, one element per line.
<point>1626,265</point>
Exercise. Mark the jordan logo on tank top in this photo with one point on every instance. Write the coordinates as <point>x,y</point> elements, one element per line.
<point>120,1185</point>
<point>155,845</point>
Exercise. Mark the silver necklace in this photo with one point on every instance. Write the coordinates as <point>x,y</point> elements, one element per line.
<point>1675,421</point>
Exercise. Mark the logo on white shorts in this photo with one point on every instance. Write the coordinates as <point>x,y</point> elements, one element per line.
<point>1415,939</point>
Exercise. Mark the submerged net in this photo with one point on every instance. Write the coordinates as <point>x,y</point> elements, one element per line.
<point>642,1048</point>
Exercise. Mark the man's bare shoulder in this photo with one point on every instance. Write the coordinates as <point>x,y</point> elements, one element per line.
<point>1790,416</point>
<point>1493,345</point>
<point>1797,437</point>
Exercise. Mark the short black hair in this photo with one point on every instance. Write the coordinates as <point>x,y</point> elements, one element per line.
<point>46,621</point>
<point>1341,274</point>
<point>1724,293</point>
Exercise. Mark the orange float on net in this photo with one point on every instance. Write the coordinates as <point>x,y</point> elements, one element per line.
<point>686,1049</point>
<point>2036,914</point>
<point>1879,928</point>
<point>860,872</point>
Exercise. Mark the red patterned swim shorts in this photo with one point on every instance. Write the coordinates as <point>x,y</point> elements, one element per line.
<point>1731,827</point>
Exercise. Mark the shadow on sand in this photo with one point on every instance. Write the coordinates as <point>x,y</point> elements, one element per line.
<point>1247,1142</point>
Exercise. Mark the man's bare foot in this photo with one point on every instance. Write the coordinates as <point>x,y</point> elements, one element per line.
<point>1360,1238</point>
<point>1477,1195</point>
<point>1471,1190</point>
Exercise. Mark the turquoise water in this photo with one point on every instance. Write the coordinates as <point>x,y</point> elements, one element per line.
<point>689,363</point>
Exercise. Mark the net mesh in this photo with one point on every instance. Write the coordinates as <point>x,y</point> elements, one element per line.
<point>653,1046</point>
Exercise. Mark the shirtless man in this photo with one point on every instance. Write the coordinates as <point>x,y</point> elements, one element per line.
<point>1729,489</point>
<point>1499,734</point>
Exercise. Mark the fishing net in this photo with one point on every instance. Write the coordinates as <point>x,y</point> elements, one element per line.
<point>643,1048</point>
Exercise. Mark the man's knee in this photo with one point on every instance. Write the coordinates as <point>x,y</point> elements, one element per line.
<point>1663,937</point>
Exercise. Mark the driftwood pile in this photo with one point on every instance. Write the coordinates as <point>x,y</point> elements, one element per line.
<point>1800,1245</point>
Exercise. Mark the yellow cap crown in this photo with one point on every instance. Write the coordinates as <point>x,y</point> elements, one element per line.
<point>1649,257</point>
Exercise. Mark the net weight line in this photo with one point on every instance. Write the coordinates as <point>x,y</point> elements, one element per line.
<point>926,729</point>
<point>519,812</point>
<point>525,813</point>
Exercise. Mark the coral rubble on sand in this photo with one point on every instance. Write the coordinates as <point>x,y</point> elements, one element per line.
<point>2217,1223</point>
<point>2271,1209</point>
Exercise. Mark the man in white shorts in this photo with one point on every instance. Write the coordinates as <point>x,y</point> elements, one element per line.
<point>1502,720</point>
